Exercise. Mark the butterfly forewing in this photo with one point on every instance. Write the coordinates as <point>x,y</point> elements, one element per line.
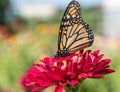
<point>74,33</point>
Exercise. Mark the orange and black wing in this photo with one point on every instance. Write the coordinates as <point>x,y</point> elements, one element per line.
<point>74,33</point>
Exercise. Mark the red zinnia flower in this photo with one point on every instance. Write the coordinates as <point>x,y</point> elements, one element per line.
<point>64,71</point>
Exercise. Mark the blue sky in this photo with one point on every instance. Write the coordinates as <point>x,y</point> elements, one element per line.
<point>57,3</point>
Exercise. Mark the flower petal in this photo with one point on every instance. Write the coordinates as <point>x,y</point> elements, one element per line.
<point>67,70</point>
<point>74,82</point>
<point>59,88</point>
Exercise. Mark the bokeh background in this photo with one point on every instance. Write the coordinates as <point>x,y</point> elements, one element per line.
<point>29,30</point>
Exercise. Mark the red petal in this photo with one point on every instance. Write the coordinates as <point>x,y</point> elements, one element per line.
<point>105,71</point>
<point>73,82</point>
<point>100,57</point>
<point>97,76</point>
<point>101,65</point>
<point>59,88</point>
<point>96,52</point>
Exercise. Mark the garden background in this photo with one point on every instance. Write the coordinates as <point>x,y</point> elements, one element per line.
<point>29,31</point>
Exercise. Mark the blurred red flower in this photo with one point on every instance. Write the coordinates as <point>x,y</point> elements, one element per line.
<point>65,71</point>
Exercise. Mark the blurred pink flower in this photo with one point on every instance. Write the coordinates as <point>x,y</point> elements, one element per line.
<point>65,71</point>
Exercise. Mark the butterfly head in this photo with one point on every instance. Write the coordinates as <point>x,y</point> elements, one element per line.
<point>62,53</point>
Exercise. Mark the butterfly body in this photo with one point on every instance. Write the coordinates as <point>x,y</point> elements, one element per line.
<point>62,53</point>
<point>74,33</point>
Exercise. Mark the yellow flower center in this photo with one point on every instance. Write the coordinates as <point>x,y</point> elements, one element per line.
<point>64,63</point>
<point>55,64</point>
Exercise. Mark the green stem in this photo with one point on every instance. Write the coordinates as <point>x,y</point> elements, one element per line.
<point>75,88</point>
<point>72,89</point>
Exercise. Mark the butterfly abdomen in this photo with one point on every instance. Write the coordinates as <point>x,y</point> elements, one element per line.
<point>62,53</point>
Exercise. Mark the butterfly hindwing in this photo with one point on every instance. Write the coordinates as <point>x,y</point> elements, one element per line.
<point>74,33</point>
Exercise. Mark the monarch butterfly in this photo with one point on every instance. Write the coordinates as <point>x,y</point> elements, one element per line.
<point>74,33</point>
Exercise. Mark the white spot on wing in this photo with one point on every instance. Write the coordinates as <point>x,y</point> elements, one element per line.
<point>68,16</point>
<point>78,16</point>
<point>65,23</point>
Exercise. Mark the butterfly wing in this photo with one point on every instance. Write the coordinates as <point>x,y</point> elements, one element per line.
<point>74,33</point>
